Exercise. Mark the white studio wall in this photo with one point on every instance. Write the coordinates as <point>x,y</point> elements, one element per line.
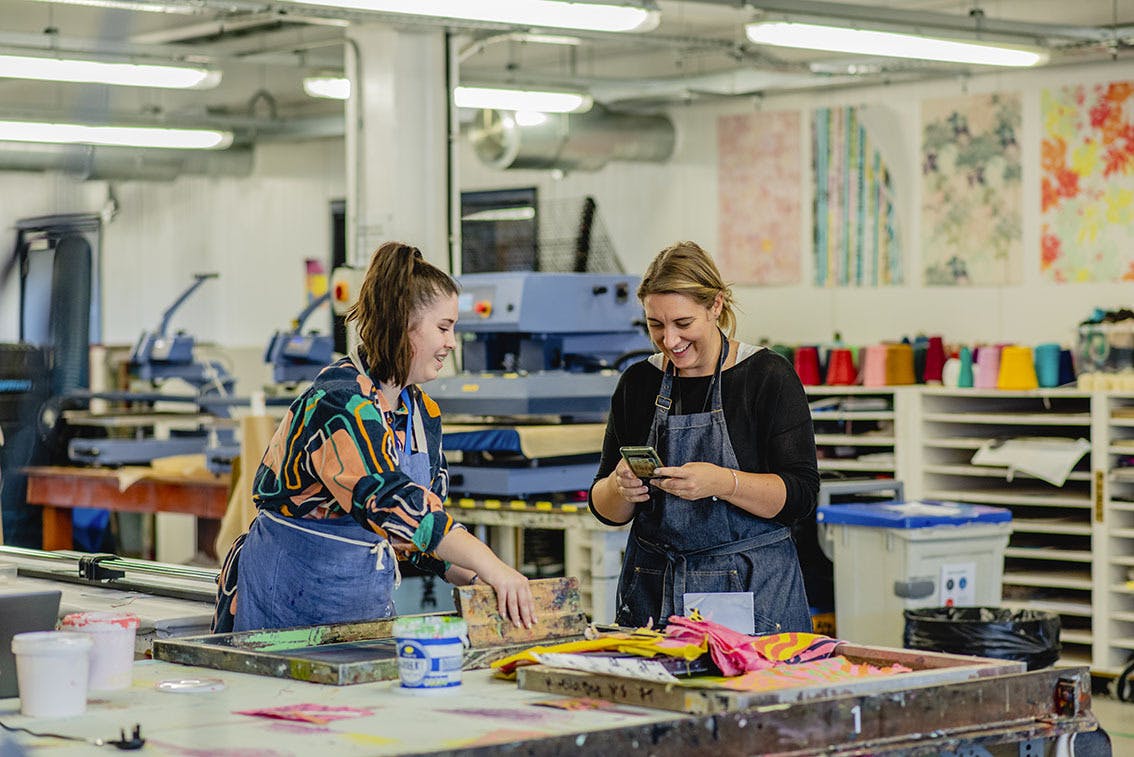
<point>645,207</point>
<point>255,231</point>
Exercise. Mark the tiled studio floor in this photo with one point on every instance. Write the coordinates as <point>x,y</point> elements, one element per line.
<point>1117,719</point>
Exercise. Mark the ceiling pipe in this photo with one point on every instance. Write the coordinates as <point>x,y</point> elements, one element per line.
<point>87,163</point>
<point>570,141</point>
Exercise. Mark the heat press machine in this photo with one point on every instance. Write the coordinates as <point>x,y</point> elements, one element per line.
<point>295,356</point>
<point>542,354</point>
<point>158,356</point>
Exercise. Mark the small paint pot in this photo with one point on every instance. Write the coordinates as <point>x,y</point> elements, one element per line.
<point>51,670</point>
<point>431,650</point>
<point>112,656</point>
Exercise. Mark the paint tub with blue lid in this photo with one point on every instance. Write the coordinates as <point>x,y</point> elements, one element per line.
<point>430,651</point>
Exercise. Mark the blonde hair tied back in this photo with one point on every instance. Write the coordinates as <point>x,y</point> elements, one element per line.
<point>685,268</point>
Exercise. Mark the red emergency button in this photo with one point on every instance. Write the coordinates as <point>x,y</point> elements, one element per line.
<point>341,292</point>
<point>483,308</point>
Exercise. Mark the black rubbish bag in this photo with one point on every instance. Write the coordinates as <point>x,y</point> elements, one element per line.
<point>1028,636</point>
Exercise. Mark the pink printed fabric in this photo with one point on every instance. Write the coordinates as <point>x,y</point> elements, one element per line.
<point>832,670</point>
<point>735,653</point>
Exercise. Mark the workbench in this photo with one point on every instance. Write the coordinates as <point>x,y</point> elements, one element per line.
<point>59,489</point>
<point>484,714</point>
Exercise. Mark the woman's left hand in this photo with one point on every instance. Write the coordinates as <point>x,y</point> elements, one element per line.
<point>693,481</point>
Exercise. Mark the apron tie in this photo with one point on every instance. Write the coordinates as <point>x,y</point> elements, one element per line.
<point>377,548</point>
<point>380,550</point>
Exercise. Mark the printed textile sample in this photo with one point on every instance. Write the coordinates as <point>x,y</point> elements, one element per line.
<point>1087,183</point>
<point>759,185</point>
<point>971,224</point>
<point>855,211</point>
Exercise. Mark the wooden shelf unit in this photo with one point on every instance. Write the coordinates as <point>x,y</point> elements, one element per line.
<point>1051,563</point>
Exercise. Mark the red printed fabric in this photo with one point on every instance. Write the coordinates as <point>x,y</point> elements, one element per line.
<point>735,653</point>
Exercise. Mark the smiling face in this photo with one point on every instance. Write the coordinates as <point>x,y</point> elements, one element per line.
<point>685,332</point>
<point>432,338</point>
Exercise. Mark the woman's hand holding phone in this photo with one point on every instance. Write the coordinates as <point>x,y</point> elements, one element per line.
<point>630,487</point>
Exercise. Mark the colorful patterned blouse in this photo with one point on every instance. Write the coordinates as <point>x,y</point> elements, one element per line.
<point>336,454</point>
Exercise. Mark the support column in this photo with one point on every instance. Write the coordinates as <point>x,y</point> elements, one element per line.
<point>397,142</point>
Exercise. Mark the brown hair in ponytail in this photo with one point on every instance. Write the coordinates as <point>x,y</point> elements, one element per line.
<point>399,283</point>
<point>685,268</point>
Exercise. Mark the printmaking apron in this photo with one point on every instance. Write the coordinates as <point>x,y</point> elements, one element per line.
<point>305,571</point>
<point>678,546</point>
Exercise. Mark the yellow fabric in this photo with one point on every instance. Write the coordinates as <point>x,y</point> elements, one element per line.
<point>643,642</point>
<point>255,433</point>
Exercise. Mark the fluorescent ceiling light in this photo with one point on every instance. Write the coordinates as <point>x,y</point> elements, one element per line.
<point>559,14</point>
<point>97,72</point>
<point>522,213</point>
<point>123,136</point>
<point>132,5</point>
<point>332,87</point>
<point>890,44</point>
<point>541,101</point>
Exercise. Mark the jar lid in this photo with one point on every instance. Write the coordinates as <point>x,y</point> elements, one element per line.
<point>50,642</point>
<point>93,622</point>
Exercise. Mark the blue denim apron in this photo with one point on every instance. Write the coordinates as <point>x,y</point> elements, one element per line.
<point>304,571</point>
<point>678,546</point>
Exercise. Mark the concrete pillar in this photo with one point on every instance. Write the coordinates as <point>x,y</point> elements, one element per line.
<point>397,141</point>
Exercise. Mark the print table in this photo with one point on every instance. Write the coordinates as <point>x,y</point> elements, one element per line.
<point>484,714</point>
<point>58,489</point>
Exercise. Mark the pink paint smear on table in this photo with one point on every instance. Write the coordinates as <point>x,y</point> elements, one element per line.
<point>319,714</point>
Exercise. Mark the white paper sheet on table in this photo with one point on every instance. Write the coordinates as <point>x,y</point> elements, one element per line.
<point>627,667</point>
<point>1050,460</point>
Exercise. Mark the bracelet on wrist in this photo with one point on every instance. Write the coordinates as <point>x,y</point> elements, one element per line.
<point>735,483</point>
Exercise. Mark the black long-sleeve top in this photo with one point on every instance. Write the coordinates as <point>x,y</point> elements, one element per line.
<point>766,413</point>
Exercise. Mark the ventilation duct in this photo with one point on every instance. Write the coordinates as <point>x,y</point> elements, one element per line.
<point>124,163</point>
<point>569,141</point>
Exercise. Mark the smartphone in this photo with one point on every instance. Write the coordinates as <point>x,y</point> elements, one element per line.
<point>642,460</point>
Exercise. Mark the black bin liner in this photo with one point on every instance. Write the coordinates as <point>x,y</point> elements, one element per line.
<point>1028,636</point>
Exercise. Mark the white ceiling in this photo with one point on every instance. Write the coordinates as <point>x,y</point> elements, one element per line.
<point>265,48</point>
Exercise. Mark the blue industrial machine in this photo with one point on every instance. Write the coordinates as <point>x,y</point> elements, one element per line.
<point>538,348</point>
<point>295,356</point>
<point>158,356</point>
<point>543,344</point>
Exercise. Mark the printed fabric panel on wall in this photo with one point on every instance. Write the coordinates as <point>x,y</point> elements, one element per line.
<point>971,222</point>
<point>759,189</point>
<point>1087,184</point>
<point>855,210</point>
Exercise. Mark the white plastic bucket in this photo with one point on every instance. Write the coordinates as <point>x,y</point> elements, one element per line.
<point>112,656</point>
<point>51,668</point>
<point>430,652</point>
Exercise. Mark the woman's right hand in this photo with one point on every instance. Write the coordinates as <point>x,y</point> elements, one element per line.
<point>513,594</point>
<point>629,486</point>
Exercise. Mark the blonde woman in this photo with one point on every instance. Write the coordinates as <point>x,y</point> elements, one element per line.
<point>731,424</point>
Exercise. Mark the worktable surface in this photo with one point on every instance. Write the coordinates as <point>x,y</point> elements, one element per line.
<point>481,712</point>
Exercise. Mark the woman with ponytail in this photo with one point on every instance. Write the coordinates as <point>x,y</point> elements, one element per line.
<point>354,478</point>
<point>731,424</point>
